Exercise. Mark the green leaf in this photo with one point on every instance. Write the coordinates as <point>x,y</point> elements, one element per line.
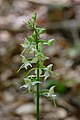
<point>44,92</point>
<point>31,39</point>
<point>40,56</point>
<point>34,16</point>
<point>51,90</point>
<point>30,23</point>
<point>43,41</point>
<point>34,34</point>
<point>48,71</point>
<point>26,44</point>
<point>41,63</point>
<point>46,75</point>
<point>49,67</point>
<point>23,59</point>
<point>39,46</point>
<point>51,42</point>
<point>34,60</point>
<point>41,30</point>
<point>27,81</point>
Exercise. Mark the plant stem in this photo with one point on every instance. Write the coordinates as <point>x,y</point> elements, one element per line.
<point>38,91</point>
<point>38,79</point>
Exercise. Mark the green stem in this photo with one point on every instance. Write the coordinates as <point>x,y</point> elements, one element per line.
<point>38,78</point>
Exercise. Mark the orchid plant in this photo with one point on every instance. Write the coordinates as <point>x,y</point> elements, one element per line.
<point>33,44</point>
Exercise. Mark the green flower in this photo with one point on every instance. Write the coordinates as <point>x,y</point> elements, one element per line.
<point>25,64</point>
<point>28,84</point>
<point>26,44</point>
<point>48,71</point>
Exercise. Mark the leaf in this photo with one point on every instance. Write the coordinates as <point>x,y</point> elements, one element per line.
<point>26,44</point>
<point>47,71</point>
<point>44,92</point>
<point>39,46</point>
<point>51,90</point>
<point>40,56</point>
<point>50,42</point>
<point>34,34</point>
<point>27,81</point>
<point>29,89</point>
<point>41,30</point>
<point>31,39</point>
<point>34,60</point>
<point>23,59</point>
<point>46,75</point>
<point>43,41</point>
<point>49,67</point>
<point>34,16</point>
<point>30,23</point>
<point>41,63</point>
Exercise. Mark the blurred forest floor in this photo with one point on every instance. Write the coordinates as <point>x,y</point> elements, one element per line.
<point>62,20</point>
